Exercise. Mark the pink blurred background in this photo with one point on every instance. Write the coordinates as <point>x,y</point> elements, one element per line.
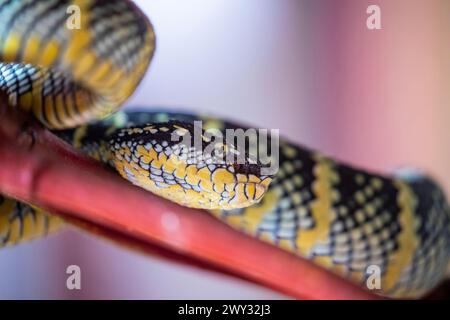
<point>375,98</point>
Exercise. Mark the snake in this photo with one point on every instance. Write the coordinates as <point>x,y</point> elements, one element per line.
<point>74,77</point>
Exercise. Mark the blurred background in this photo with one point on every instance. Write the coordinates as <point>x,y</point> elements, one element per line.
<point>375,98</point>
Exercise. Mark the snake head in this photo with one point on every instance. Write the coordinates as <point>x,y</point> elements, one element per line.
<point>176,161</point>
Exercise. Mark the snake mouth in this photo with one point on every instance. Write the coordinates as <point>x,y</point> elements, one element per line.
<point>159,158</point>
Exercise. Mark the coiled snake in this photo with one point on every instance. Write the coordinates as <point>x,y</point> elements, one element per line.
<point>342,218</point>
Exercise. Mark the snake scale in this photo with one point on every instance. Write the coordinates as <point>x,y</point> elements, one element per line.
<point>343,218</point>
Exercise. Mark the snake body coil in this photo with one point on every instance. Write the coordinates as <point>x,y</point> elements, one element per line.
<point>342,218</point>
<point>68,77</point>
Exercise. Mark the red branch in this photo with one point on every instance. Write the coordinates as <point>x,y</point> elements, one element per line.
<point>51,174</point>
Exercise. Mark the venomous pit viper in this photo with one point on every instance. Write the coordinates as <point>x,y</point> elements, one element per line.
<point>342,218</point>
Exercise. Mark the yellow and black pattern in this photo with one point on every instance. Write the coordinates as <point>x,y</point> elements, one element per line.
<point>156,158</point>
<point>345,219</point>
<point>69,76</point>
<point>163,158</point>
<point>431,229</point>
<point>20,222</point>
<point>342,218</point>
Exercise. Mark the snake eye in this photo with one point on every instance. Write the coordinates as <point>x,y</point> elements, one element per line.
<point>165,159</point>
